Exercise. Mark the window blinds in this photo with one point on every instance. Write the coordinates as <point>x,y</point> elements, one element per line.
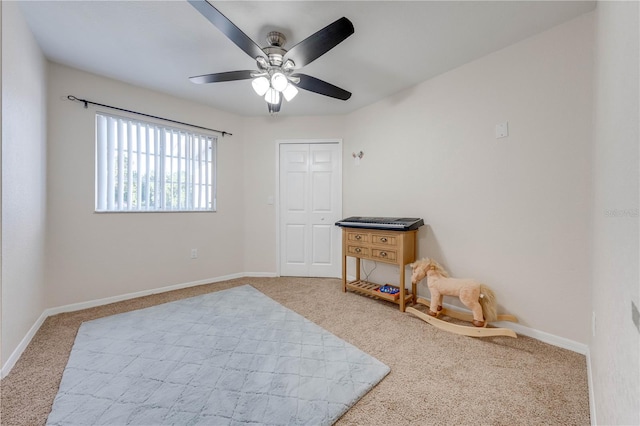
<point>142,167</point>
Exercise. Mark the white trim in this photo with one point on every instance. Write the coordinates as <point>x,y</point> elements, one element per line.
<point>13,358</point>
<point>518,328</point>
<point>113,299</point>
<point>545,337</point>
<point>260,274</point>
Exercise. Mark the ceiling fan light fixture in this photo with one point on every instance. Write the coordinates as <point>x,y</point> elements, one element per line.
<point>289,65</point>
<point>279,81</point>
<point>290,92</point>
<point>260,85</point>
<point>272,96</point>
<point>262,62</point>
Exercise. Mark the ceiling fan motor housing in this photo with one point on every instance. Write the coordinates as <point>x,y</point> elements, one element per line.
<point>276,38</point>
<point>275,52</point>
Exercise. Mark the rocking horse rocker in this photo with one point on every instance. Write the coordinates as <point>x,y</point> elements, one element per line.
<point>479,298</point>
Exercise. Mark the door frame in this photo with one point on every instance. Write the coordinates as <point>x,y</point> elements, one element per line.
<point>280,142</point>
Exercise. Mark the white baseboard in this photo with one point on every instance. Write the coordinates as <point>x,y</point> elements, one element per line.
<point>113,299</point>
<point>260,274</point>
<point>11,361</point>
<point>518,328</point>
<point>545,337</point>
<point>13,358</point>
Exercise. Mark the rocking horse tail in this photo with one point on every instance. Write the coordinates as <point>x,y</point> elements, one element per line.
<point>488,303</point>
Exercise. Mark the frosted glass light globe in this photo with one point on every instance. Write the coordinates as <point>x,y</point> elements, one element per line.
<point>290,92</point>
<point>260,85</point>
<point>272,96</point>
<point>279,81</point>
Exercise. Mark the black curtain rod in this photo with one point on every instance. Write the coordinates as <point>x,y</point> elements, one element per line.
<point>86,103</point>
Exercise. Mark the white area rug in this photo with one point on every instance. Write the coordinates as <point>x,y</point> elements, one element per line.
<point>233,357</point>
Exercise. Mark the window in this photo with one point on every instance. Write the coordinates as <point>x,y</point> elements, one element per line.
<point>146,167</point>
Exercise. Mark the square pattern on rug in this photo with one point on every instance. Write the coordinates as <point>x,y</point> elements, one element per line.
<point>233,357</point>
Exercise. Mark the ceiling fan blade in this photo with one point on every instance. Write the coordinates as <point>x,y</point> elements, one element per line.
<point>222,76</point>
<point>316,45</point>
<point>228,28</point>
<point>316,85</point>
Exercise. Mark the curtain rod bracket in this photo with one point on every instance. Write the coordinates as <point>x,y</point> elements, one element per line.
<point>87,102</point>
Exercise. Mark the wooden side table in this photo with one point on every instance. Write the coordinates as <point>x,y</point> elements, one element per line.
<point>394,247</point>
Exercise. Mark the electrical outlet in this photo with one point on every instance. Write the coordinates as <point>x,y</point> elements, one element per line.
<point>635,316</point>
<point>194,253</point>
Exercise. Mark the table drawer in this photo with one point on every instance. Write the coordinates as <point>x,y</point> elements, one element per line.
<point>384,240</point>
<point>358,251</point>
<point>357,237</point>
<point>382,254</point>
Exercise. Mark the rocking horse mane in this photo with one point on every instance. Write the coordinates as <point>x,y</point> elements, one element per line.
<point>438,268</point>
<point>428,263</point>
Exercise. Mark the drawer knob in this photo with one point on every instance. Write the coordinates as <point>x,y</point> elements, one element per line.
<point>383,254</point>
<point>358,250</point>
<point>383,239</point>
<point>358,237</point>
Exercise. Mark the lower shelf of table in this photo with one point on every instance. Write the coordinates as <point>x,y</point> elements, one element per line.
<point>369,289</point>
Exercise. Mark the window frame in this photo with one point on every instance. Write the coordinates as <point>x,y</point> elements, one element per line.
<point>161,126</point>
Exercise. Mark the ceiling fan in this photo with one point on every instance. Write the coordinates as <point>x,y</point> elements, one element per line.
<point>275,77</point>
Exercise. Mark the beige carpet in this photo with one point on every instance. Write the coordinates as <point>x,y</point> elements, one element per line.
<point>436,377</point>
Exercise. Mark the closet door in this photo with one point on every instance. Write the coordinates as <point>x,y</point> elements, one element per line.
<point>310,203</point>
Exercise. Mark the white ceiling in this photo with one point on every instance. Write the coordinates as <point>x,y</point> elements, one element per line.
<point>396,44</point>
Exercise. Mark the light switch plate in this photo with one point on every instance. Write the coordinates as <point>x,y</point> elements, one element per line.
<point>502,130</point>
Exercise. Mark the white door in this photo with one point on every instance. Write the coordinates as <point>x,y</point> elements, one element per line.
<point>310,204</point>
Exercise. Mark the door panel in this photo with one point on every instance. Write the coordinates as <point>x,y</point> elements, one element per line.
<point>296,184</point>
<point>321,201</point>
<point>321,250</point>
<point>296,243</point>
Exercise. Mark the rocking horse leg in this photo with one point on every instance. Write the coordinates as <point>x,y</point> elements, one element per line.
<point>477,323</point>
<point>435,314</point>
<point>478,317</point>
<point>471,301</point>
<point>436,303</point>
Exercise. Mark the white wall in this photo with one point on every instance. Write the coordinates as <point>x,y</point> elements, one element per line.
<point>615,348</point>
<point>23,178</point>
<point>512,212</point>
<point>260,136</point>
<point>92,256</point>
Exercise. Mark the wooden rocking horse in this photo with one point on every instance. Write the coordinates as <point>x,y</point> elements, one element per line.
<point>478,297</point>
